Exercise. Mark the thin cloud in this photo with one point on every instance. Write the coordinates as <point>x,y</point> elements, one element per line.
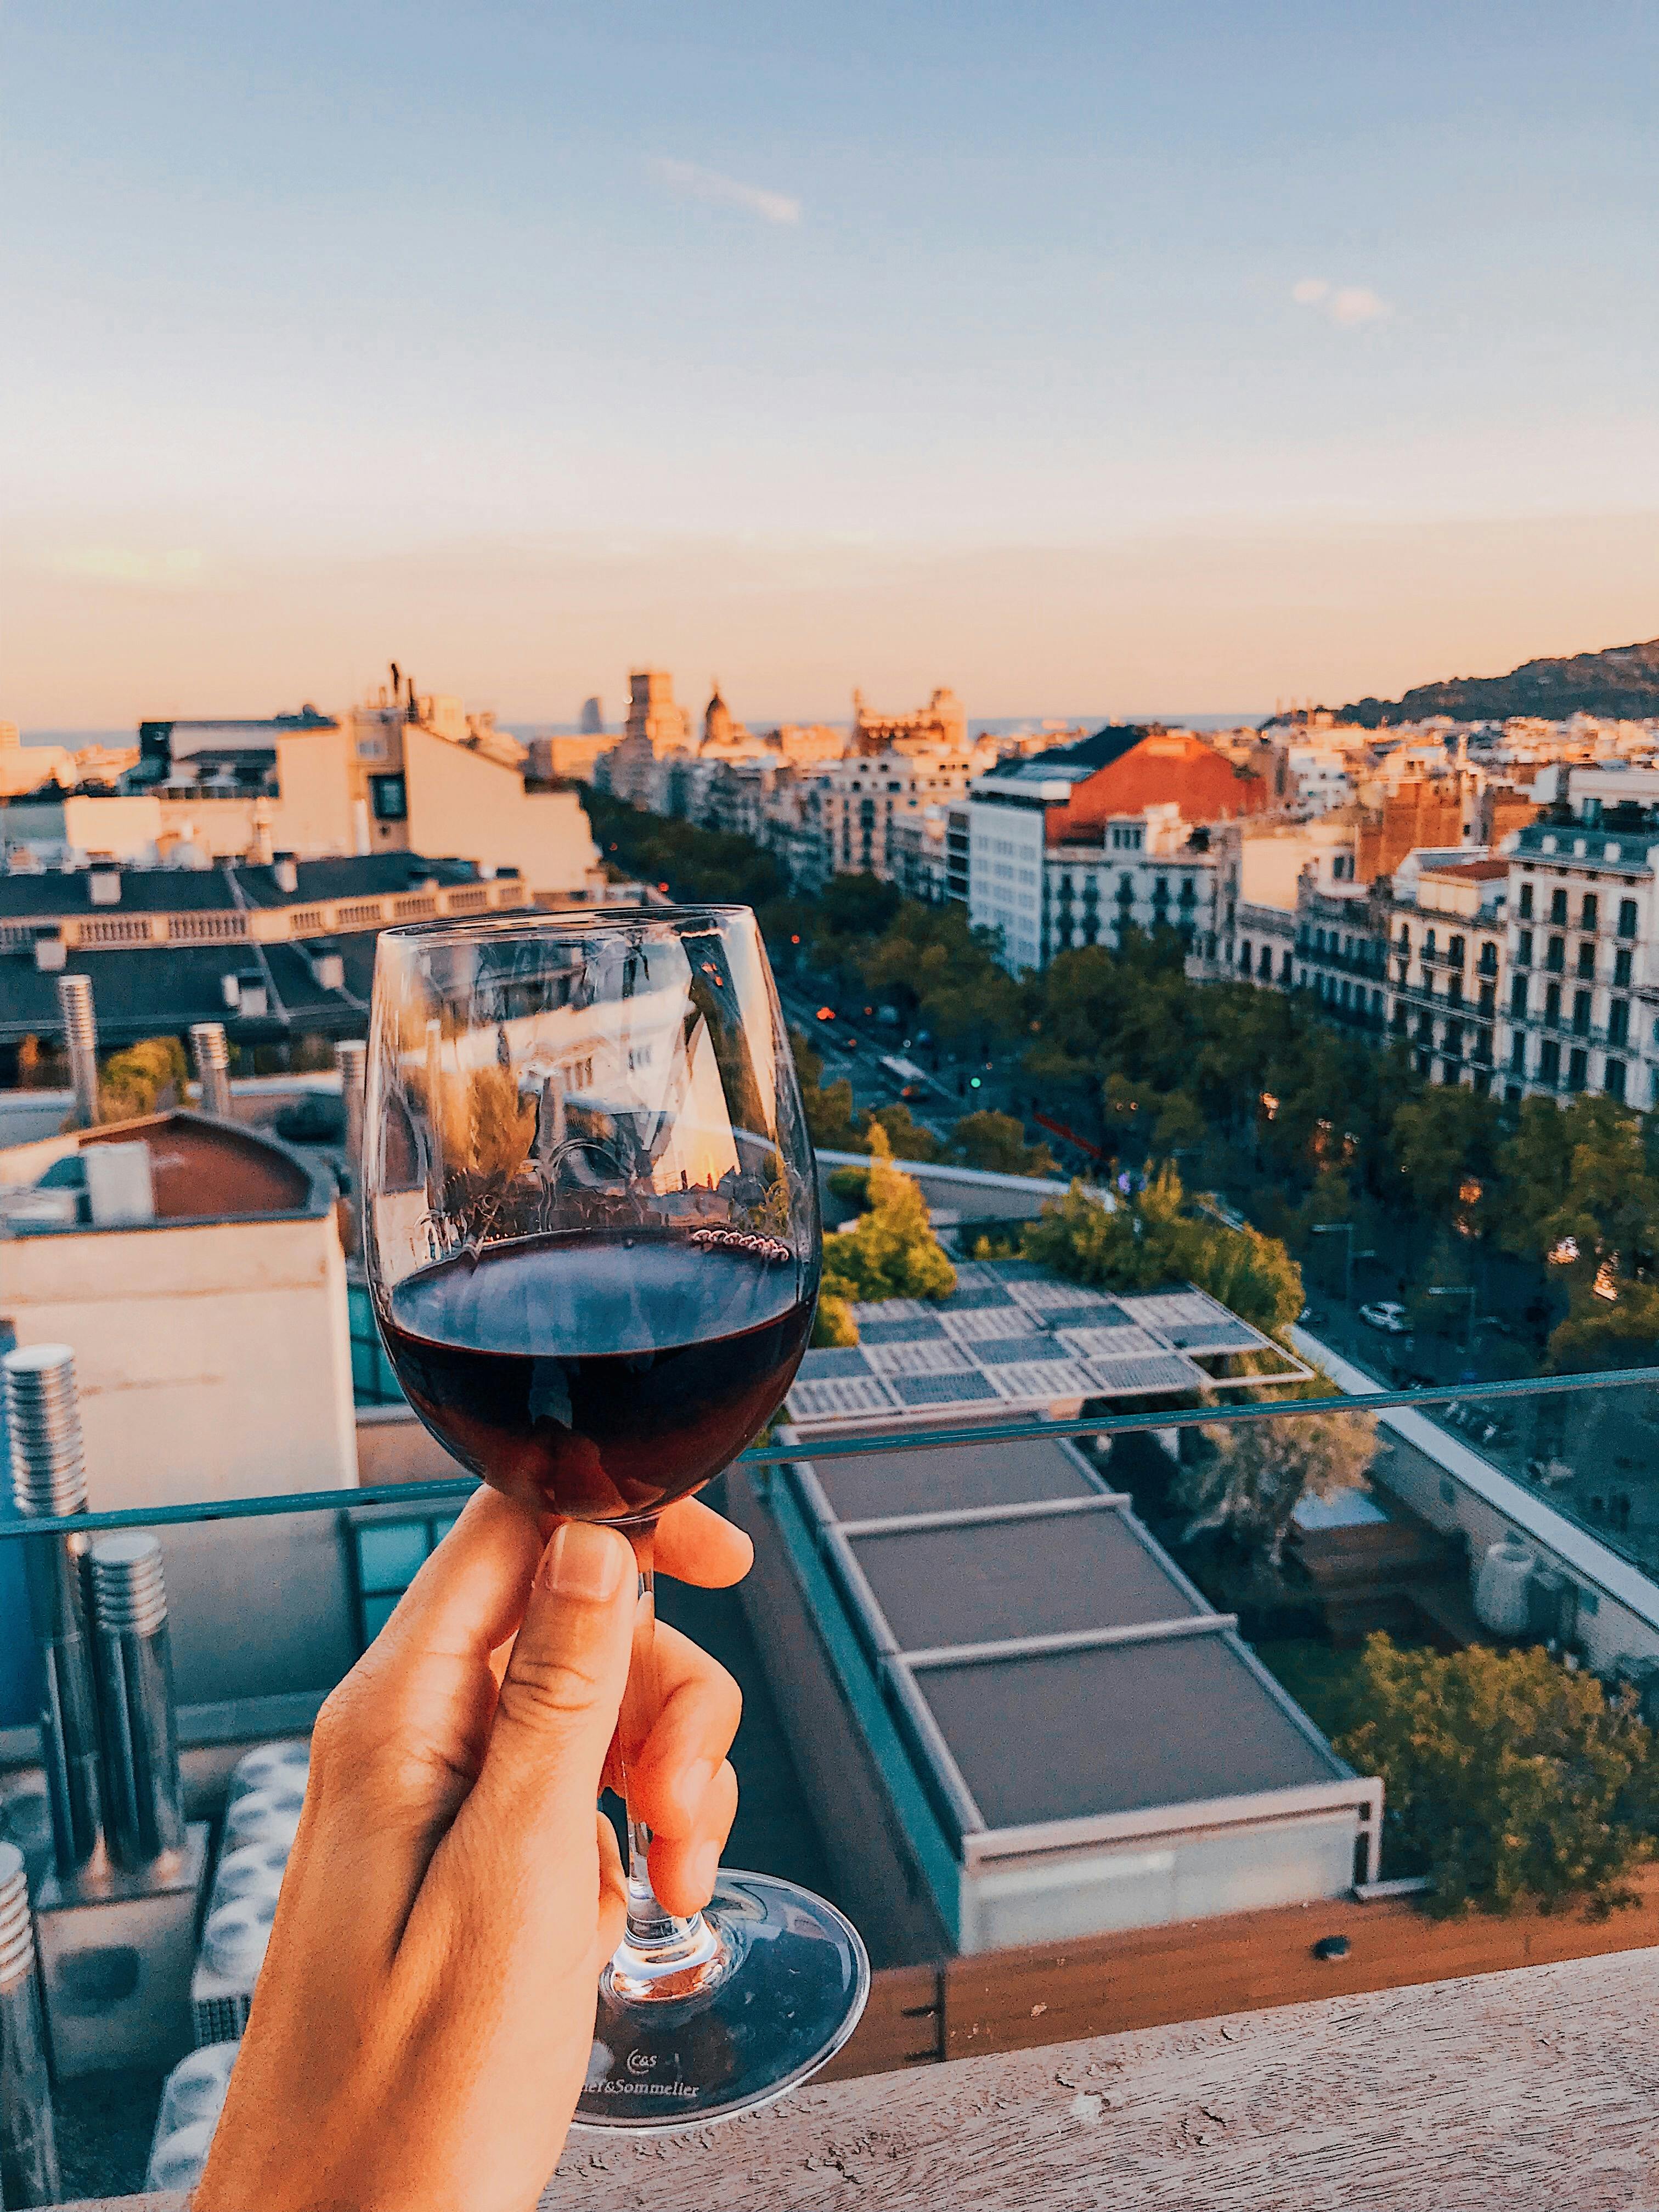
<point>1347,305</point>
<point>178,570</point>
<point>689,182</point>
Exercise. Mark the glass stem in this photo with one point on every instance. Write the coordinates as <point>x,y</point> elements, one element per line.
<point>661,1956</point>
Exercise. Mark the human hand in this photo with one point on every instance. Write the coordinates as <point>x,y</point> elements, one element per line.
<point>422,2025</point>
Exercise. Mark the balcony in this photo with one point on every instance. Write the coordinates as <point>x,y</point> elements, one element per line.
<point>976,1499</point>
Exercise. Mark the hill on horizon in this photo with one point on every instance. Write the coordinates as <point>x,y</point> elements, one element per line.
<point>1623,681</point>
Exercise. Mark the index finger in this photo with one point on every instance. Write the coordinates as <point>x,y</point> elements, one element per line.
<point>695,1544</point>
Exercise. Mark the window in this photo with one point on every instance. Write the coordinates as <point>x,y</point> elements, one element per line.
<point>1577,1069</point>
<point>389,797</point>
<point>385,1557</point>
<point>1518,1055</point>
<point>1552,1005</point>
<point>1558,908</point>
<point>1627,917</point>
<point>1244,954</point>
<point>1489,958</point>
<point>1555,958</point>
<point>1619,1022</point>
<point>1581,1013</point>
<point>1405,939</point>
<point>1621,967</point>
<point>1587,918</point>
<point>1454,951</point>
<point>1518,997</point>
<point>1549,1062</point>
<point>1526,902</point>
<point>1614,1083</point>
<point>1523,950</point>
<point>1429,945</point>
<point>1587,956</point>
<point>1488,1000</point>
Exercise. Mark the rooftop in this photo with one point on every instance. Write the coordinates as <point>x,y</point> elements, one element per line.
<point>1013,1338</point>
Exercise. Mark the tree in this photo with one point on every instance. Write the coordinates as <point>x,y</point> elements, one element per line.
<point>1443,1141</point>
<point>1149,1241</point>
<point>891,1252</point>
<point>996,1143</point>
<point>829,1119</point>
<point>1578,1190</point>
<point>1513,1780</point>
<point>142,1080</point>
<point>1253,1474</point>
<point>905,1138</point>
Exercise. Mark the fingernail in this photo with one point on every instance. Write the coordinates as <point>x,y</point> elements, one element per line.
<point>584,1562</point>
<point>701,1867</point>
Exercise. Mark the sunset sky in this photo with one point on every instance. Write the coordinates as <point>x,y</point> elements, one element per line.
<point>1088,358</point>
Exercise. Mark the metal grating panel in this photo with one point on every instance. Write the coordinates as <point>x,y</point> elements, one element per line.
<point>1168,1310</point>
<point>899,1331</point>
<point>941,1389</point>
<point>814,1401</point>
<point>1123,1378</point>
<point>1217,1336</point>
<point>833,1361</point>
<point>1122,1343</point>
<point>891,1309</point>
<point>976,1298</point>
<point>990,1322</point>
<point>941,1358</point>
<point>999,1350</point>
<point>1058,1297</point>
<point>1043,1380</point>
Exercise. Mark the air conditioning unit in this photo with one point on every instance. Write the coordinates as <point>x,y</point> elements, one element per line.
<point>104,883</point>
<point>50,954</point>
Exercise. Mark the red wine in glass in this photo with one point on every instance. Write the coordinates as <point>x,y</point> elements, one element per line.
<point>596,1375</point>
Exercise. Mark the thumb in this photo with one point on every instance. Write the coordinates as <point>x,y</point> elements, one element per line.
<point>559,1699</point>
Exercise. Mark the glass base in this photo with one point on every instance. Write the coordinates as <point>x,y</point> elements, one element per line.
<point>792,1986</point>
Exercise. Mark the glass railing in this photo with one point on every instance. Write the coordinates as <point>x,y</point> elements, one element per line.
<point>1173,1600</point>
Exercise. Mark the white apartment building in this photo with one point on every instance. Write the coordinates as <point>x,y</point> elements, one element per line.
<point>1148,870</point>
<point>1580,1009</point>
<point>859,806</point>
<point>1445,920</point>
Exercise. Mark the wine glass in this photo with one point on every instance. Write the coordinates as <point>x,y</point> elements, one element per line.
<point>591,1225</point>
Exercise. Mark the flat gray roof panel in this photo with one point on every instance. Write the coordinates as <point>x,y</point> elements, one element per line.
<point>989,1581</point>
<point>950,1480</point>
<point>1116,1729</point>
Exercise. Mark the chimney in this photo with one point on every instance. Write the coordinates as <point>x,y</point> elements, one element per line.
<point>81,1035</point>
<point>48,1477</point>
<point>143,1801</point>
<point>28,2147</point>
<point>351,1058</point>
<point>286,870</point>
<point>208,1043</point>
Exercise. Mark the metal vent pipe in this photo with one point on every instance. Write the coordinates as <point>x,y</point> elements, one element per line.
<point>48,1477</point>
<point>81,1037</point>
<point>28,2145</point>
<point>209,1043</point>
<point>143,1803</point>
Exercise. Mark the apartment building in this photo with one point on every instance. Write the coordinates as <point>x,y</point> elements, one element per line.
<point>1581,1007</point>
<point>859,806</point>
<point>1445,913</point>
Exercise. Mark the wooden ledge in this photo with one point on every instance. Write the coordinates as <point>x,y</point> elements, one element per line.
<point>1517,2092</point>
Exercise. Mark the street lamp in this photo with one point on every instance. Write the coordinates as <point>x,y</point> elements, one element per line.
<point>1349,1255</point>
<point>1460,1290</point>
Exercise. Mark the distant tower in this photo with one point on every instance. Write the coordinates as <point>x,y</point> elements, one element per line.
<point>717,720</point>
<point>593,718</point>
<point>652,713</point>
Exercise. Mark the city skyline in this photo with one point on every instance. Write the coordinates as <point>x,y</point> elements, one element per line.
<point>1082,357</point>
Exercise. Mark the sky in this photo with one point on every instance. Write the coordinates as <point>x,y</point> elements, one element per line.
<point>1090,359</point>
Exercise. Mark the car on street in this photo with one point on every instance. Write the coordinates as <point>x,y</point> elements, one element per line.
<point>1385,1315</point>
